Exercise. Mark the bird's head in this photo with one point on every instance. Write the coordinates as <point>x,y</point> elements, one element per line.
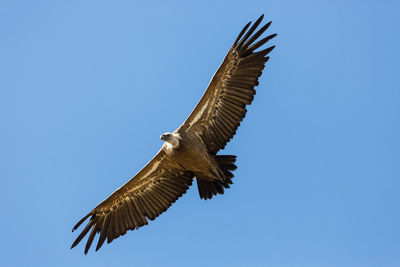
<point>171,138</point>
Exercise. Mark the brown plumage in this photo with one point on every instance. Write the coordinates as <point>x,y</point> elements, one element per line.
<point>190,151</point>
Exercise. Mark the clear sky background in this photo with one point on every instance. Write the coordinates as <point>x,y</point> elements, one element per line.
<point>87,87</point>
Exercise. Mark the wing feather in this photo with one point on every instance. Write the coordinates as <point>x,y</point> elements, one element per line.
<point>151,192</point>
<point>223,106</point>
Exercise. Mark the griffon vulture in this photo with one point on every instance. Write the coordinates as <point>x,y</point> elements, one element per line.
<point>191,150</point>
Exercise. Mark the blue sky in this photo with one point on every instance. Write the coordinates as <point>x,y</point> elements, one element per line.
<point>87,87</point>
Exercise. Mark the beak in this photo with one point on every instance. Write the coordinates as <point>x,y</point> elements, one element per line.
<point>162,137</point>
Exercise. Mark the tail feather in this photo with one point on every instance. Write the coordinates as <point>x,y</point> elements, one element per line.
<point>208,189</point>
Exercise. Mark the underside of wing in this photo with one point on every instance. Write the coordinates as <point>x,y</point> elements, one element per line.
<point>223,106</point>
<point>147,195</point>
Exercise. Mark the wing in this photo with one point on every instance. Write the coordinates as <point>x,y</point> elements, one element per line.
<point>152,191</point>
<point>223,106</point>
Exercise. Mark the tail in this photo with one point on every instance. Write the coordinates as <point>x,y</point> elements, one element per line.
<point>208,189</point>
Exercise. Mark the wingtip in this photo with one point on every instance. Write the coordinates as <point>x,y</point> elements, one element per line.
<point>269,49</point>
<point>258,21</point>
<point>74,244</point>
<point>99,245</point>
<point>241,33</point>
<point>80,222</point>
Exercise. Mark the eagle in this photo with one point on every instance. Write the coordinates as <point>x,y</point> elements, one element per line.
<point>191,150</point>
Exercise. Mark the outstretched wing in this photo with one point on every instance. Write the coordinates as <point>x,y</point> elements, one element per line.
<point>223,106</point>
<point>152,191</point>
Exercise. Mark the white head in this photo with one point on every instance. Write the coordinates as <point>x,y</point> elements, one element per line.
<point>171,138</point>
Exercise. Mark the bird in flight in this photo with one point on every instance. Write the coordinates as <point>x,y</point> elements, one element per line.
<point>191,150</point>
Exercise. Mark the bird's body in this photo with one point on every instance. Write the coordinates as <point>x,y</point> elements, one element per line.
<point>190,152</point>
<point>192,155</point>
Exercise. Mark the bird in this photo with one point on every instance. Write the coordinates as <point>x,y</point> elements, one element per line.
<point>190,152</point>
